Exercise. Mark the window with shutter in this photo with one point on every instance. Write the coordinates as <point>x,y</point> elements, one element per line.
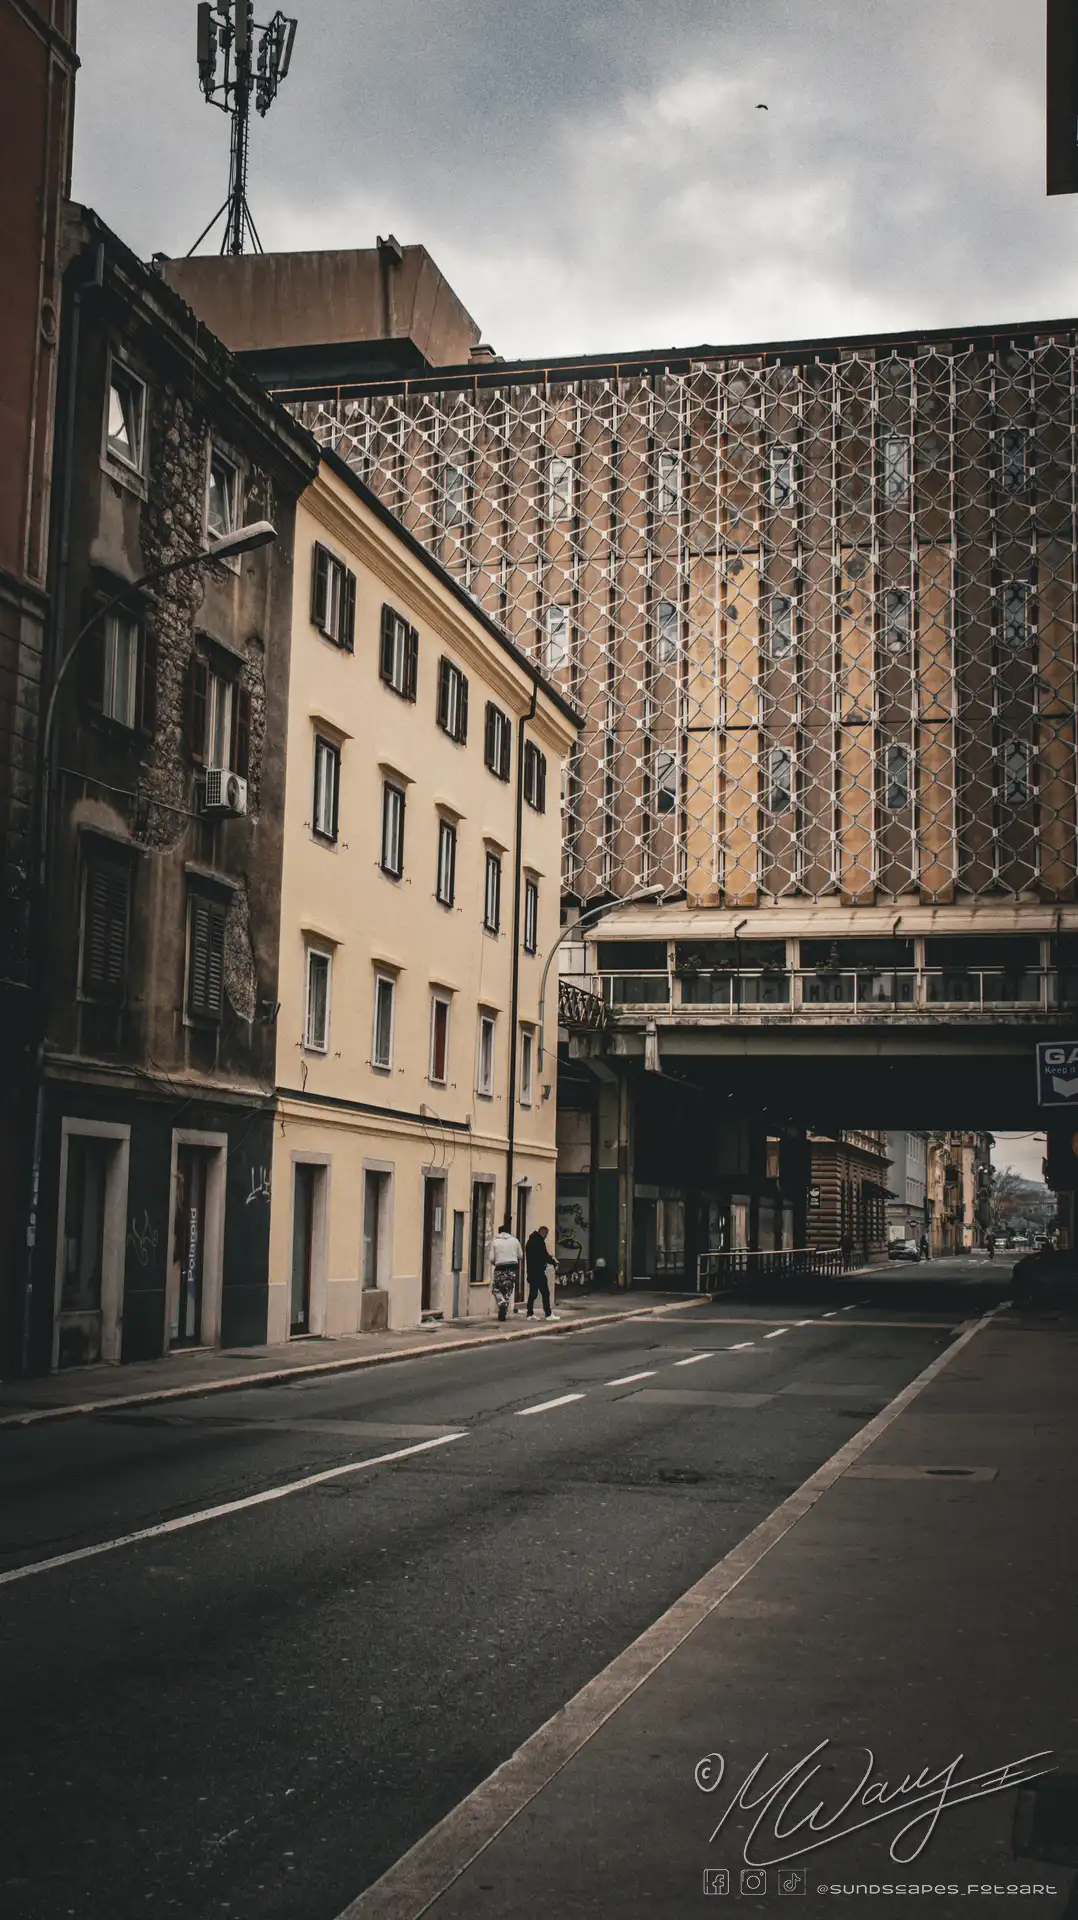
<point>411,672</point>
<point>534,777</point>
<point>333,598</point>
<point>348,612</point>
<point>240,755</point>
<point>106,916</point>
<point>443,694</point>
<point>399,654</point>
<point>496,741</point>
<point>319,586</point>
<point>206,957</point>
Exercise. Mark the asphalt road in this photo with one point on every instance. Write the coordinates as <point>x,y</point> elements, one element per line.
<point>256,1714</point>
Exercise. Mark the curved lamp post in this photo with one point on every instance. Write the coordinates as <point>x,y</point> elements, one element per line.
<point>594,913</point>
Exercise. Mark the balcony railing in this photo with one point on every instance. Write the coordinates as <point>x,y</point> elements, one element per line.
<point>812,993</point>
<point>581,1005</point>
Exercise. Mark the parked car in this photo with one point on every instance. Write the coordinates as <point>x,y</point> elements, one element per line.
<point>904,1250</point>
<point>1046,1278</point>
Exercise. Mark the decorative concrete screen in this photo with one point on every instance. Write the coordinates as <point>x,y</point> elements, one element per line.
<point>818,608</point>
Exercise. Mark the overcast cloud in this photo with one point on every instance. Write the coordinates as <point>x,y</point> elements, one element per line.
<point>595,174</point>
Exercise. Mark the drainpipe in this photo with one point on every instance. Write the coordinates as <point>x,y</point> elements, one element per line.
<point>514,992</point>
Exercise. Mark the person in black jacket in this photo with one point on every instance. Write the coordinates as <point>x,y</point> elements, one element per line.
<point>537,1258</point>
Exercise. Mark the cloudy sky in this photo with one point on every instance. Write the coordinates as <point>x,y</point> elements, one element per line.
<point>596,174</point>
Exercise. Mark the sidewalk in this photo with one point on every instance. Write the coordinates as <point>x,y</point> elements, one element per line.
<point>895,1604</point>
<point>204,1370</point>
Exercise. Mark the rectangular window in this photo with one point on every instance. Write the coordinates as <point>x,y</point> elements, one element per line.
<point>316,1018</point>
<point>484,1073</point>
<point>896,620</point>
<point>333,598</point>
<point>385,994</point>
<point>1017,773</point>
<point>665,782</point>
<point>497,741</point>
<point>454,496</point>
<point>399,654</point>
<point>534,777</point>
<point>447,863</point>
<point>668,483</point>
<point>1013,475</point>
<point>492,893</point>
<point>667,632</point>
<point>559,489</point>
<point>452,701</point>
<point>527,1065</point>
<point>531,916</point>
<point>781,470</point>
<point>781,625</point>
<point>896,782</point>
<point>206,919</point>
<point>779,789</point>
<point>895,464</point>
<point>439,1040</point>
<point>222,497</point>
<point>392,854</point>
<point>555,638</point>
<point>1015,615</point>
<point>119,696</point>
<point>125,433</point>
<point>106,919</point>
<point>327,785</point>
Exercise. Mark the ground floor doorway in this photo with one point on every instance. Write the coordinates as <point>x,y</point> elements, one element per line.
<point>433,1242</point>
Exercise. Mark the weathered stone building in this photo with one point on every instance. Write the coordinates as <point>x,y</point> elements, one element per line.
<point>166,801</point>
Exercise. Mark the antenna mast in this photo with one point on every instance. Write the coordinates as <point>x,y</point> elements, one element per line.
<point>229,28</point>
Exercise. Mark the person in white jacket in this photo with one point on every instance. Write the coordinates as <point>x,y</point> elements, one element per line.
<point>506,1254</point>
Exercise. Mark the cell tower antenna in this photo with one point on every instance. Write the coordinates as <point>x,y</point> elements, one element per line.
<point>228,33</point>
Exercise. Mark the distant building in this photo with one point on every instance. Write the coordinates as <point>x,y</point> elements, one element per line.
<point>420,902</point>
<point>907,1215</point>
<point>849,1176</point>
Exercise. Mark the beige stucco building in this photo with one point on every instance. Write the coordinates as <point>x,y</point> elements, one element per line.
<point>422,851</point>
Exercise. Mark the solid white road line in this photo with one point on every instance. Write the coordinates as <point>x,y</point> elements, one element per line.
<point>628,1378</point>
<point>693,1358</point>
<point>411,1887</point>
<point>545,1405</point>
<point>219,1513</point>
<point>775,1335</point>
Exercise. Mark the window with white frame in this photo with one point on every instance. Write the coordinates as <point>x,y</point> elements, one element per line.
<point>119,691</point>
<point>896,619</point>
<point>531,916</point>
<point>125,427</point>
<point>392,855</point>
<point>668,483</point>
<point>316,1019</point>
<point>896,778</point>
<point>527,1065</point>
<point>559,488</point>
<point>534,777</point>
<point>333,598</point>
<point>446,885</point>
<point>667,631</point>
<point>1017,761</point>
<point>452,701</point>
<point>385,998</point>
<point>222,496</point>
<point>1012,460</point>
<point>555,638</point>
<point>666,782</point>
<point>1015,614</point>
<point>492,892</point>
<point>484,1066</point>
<point>497,741</point>
<point>781,625</point>
<point>895,466</point>
<point>781,471</point>
<point>454,495</point>
<point>778,788</point>
<point>438,1071</point>
<point>327,786</point>
<point>398,660</point>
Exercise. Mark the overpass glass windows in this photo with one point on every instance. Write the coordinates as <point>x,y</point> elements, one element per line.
<point>858,973</point>
<point>635,972</point>
<point>1017,780</point>
<point>1065,958</point>
<point>781,625</point>
<point>967,970</point>
<point>732,973</point>
<point>778,787</point>
<point>896,620</point>
<point>1014,614</point>
<point>896,779</point>
<point>895,474</point>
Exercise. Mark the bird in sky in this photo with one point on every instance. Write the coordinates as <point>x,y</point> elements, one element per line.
<point>762,107</point>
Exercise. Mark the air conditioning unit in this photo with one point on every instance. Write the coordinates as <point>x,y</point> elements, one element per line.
<point>224,791</point>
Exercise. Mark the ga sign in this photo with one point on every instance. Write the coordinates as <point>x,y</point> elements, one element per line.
<point>1057,1074</point>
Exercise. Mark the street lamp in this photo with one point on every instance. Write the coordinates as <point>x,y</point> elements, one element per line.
<point>594,913</point>
<point>243,540</point>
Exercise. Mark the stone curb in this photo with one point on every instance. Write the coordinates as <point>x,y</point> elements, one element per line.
<point>36,1416</point>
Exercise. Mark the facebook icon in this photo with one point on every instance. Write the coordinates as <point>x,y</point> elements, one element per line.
<point>716,1880</point>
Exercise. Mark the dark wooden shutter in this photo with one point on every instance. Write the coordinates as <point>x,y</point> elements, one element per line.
<point>198,702</point>
<point>411,663</point>
<point>490,750</point>
<point>335,762</point>
<point>205,990</point>
<point>386,662</point>
<point>348,612</point>
<point>507,747</point>
<point>241,731</point>
<point>540,782</point>
<point>147,681</point>
<point>443,693</point>
<point>462,711</point>
<point>104,948</point>
<point>319,585</point>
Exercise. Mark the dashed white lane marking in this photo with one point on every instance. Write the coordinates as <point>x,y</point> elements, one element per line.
<point>743,1346</point>
<point>850,1309</point>
<point>692,1359</point>
<point>545,1405</point>
<point>775,1335</point>
<point>831,1315</point>
<point>627,1379</point>
<point>218,1513</point>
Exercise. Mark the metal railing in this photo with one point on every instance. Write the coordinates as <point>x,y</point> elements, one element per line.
<point>815,1263</point>
<point>581,1005</point>
<point>814,992</point>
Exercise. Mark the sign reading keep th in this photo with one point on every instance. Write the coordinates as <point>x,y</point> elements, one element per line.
<point>1057,1074</point>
